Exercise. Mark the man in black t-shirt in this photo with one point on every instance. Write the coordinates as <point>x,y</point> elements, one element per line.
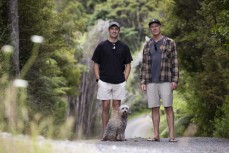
<point>112,67</point>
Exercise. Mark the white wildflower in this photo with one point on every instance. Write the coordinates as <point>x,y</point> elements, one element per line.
<point>20,83</point>
<point>37,39</point>
<point>7,49</point>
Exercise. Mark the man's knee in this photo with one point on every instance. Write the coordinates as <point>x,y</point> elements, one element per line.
<point>155,109</point>
<point>106,106</point>
<point>169,110</point>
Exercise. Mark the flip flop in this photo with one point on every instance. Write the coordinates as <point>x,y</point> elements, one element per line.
<point>172,140</point>
<point>154,139</point>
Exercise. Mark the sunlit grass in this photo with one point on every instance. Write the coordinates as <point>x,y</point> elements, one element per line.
<point>181,117</point>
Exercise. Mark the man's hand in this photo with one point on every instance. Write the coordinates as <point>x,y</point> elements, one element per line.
<point>143,87</point>
<point>173,86</point>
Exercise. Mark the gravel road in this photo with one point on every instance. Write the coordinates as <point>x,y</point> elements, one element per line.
<point>140,145</point>
<point>137,135</point>
<point>132,145</point>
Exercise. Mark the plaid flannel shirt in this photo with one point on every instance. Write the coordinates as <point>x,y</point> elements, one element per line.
<point>169,62</point>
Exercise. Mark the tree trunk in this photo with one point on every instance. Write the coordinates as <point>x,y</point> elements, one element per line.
<point>83,107</point>
<point>14,33</point>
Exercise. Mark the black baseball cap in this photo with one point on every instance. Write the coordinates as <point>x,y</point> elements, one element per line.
<point>114,24</point>
<point>154,21</point>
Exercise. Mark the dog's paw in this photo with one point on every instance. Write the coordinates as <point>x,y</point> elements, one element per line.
<point>120,139</point>
<point>103,139</point>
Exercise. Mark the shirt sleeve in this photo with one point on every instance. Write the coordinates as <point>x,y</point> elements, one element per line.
<point>175,68</point>
<point>143,67</point>
<point>96,55</point>
<point>128,57</point>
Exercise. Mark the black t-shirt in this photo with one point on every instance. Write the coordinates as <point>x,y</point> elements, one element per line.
<point>112,59</point>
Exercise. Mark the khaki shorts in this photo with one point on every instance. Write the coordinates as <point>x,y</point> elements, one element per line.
<point>157,92</point>
<point>108,91</point>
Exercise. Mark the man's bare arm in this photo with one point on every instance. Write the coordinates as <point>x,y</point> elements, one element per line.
<point>96,70</point>
<point>127,71</point>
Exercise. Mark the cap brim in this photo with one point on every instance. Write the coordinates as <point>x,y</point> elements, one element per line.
<point>154,22</point>
<point>114,25</point>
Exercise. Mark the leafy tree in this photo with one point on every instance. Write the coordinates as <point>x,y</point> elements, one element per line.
<point>203,55</point>
<point>4,29</point>
<point>55,72</point>
<point>217,67</point>
<point>222,123</point>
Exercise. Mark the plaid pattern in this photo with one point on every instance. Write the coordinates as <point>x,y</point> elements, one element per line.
<point>169,62</point>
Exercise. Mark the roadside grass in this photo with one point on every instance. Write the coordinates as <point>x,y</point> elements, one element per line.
<point>16,117</point>
<point>23,145</point>
<point>181,117</point>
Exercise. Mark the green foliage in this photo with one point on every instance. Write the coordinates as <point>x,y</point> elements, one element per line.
<point>4,28</point>
<point>180,125</point>
<point>44,86</point>
<point>56,72</point>
<point>189,50</point>
<point>202,46</point>
<point>222,124</point>
<point>221,29</point>
<point>72,18</point>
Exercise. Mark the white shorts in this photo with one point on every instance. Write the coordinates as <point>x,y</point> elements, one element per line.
<point>109,91</point>
<point>159,91</point>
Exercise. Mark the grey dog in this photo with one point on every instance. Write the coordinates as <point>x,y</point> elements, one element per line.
<point>115,129</point>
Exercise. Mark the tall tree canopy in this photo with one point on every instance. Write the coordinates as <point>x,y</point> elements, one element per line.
<point>203,50</point>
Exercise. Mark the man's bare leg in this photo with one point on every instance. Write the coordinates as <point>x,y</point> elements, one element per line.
<point>170,121</point>
<point>156,121</point>
<point>105,113</point>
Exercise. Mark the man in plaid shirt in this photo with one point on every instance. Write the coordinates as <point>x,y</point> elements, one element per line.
<point>159,76</point>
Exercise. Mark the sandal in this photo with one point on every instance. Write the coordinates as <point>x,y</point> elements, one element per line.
<point>154,139</point>
<point>172,140</point>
